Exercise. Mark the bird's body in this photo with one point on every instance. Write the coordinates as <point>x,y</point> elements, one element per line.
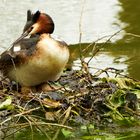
<point>32,61</point>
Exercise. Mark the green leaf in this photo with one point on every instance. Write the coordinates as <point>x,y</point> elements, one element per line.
<point>67,133</point>
<point>7,104</point>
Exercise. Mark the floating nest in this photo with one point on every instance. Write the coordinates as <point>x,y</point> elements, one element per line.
<point>77,98</point>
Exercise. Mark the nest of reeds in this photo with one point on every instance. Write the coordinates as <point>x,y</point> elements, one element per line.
<point>77,98</point>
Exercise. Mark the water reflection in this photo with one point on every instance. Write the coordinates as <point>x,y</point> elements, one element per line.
<point>123,56</point>
<point>129,15</point>
<point>131,51</point>
<point>124,53</point>
<point>102,61</point>
<point>129,45</point>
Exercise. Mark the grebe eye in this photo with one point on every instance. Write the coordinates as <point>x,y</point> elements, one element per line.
<point>30,29</point>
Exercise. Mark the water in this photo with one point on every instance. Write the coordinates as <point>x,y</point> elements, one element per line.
<point>96,21</point>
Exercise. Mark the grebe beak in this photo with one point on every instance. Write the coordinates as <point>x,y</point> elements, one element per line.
<point>21,37</point>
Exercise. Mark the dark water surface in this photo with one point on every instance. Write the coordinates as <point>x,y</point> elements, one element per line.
<point>100,18</point>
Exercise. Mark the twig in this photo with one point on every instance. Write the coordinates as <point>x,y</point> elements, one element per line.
<point>63,122</point>
<point>39,128</point>
<point>77,95</point>
<point>80,29</point>
<point>39,123</point>
<point>3,78</point>
<point>92,43</point>
<point>116,71</point>
<point>131,34</point>
<point>96,49</point>
<point>15,131</point>
<point>18,115</point>
<point>30,124</point>
<point>24,125</point>
<point>130,110</point>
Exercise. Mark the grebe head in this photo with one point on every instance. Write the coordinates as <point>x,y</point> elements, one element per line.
<point>37,23</point>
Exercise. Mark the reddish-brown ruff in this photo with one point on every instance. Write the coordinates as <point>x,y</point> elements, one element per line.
<point>43,21</point>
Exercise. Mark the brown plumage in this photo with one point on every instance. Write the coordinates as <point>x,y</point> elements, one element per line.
<point>37,59</point>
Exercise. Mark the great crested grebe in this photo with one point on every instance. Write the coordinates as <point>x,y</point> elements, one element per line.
<point>38,58</point>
